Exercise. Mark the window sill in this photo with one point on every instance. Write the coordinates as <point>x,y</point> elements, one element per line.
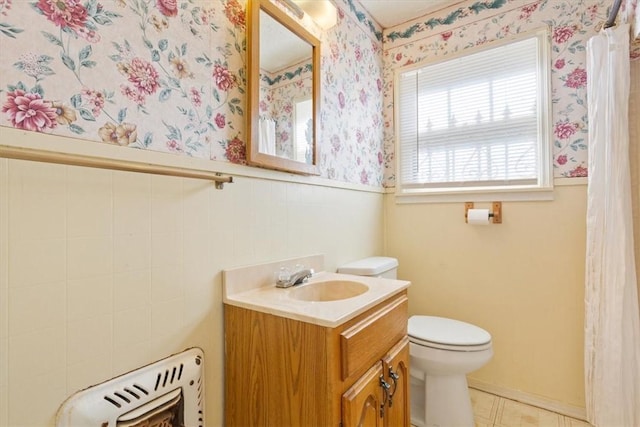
<point>505,195</point>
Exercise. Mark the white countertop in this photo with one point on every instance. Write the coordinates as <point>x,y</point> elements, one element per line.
<point>279,301</point>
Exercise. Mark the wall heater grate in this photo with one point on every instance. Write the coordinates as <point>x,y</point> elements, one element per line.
<point>141,396</point>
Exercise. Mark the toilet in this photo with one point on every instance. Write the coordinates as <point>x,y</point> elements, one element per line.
<point>442,352</point>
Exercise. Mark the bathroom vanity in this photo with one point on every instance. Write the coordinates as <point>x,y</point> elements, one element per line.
<point>296,357</point>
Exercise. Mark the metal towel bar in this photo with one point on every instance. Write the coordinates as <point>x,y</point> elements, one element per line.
<point>23,153</point>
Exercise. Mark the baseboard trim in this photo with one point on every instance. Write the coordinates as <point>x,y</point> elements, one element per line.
<point>530,399</point>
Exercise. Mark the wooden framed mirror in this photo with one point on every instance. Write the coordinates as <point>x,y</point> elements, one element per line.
<point>283,91</point>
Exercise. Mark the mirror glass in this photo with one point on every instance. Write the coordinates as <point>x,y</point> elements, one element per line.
<point>283,98</point>
<point>286,122</point>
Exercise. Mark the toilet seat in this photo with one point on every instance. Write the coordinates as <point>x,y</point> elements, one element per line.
<point>447,334</point>
<point>430,344</point>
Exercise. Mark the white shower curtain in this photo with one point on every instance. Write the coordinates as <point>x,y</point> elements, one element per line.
<point>612,318</point>
<point>267,141</point>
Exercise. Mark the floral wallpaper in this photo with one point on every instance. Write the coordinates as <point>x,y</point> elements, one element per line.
<point>474,23</point>
<point>351,112</point>
<point>170,76</point>
<point>135,73</point>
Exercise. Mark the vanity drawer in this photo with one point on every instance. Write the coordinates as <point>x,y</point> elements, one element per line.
<point>368,340</point>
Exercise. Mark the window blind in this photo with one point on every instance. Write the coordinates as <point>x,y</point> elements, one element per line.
<point>473,121</point>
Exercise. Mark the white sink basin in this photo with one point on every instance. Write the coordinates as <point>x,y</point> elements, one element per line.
<point>331,290</point>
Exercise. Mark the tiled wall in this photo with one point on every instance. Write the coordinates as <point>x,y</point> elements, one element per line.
<point>102,272</point>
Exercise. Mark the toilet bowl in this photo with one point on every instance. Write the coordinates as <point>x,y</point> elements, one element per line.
<point>442,351</point>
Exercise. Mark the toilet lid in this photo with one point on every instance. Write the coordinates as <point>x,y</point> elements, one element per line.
<point>445,331</point>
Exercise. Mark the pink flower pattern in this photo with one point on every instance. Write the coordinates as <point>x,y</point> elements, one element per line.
<point>5,6</point>
<point>528,10</point>
<point>341,100</point>
<point>134,95</point>
<point>220,121</point>
<point>29,111</point>
<point>358,53</point>
<point>562,34</point>
<point>235,14</point>
<point>565,130</point>
<point>174,146</point>
<point>195,96</point>
<point>89,35</point>
<point>168,8</point>
<point>95,100</point>
<point>223,78</point>
<point>143,76</point>
<point>364,177</point>
<point>64,13</point>
<point>577,78</point>
<point>363,97</point>
<point>579,172</point>
<point>236,151</point>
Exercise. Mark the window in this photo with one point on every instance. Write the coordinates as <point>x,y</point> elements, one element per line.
<point>476,123</point>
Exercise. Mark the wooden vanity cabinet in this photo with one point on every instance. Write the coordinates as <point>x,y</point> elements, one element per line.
<point>284,372</point>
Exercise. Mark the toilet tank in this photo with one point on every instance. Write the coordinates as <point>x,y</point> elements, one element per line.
<point>377,266</point>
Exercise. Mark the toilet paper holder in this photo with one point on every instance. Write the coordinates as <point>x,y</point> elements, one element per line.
<point>495,214</point>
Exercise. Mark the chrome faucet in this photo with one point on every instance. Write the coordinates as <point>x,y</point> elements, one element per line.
<point>296,278</point>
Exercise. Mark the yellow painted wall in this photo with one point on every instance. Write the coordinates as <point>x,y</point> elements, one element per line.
<point>634,155</point>
<point>522,281</point>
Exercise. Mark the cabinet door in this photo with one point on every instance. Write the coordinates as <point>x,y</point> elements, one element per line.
<point>396,373</point>
<point>361,403</point>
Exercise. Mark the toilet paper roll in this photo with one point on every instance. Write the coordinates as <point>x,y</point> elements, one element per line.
<point>478,216</point>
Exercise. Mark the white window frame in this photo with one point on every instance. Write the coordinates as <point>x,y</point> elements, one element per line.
<point>542,190</point>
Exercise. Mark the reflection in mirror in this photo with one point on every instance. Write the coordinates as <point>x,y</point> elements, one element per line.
<point>283,91</point>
